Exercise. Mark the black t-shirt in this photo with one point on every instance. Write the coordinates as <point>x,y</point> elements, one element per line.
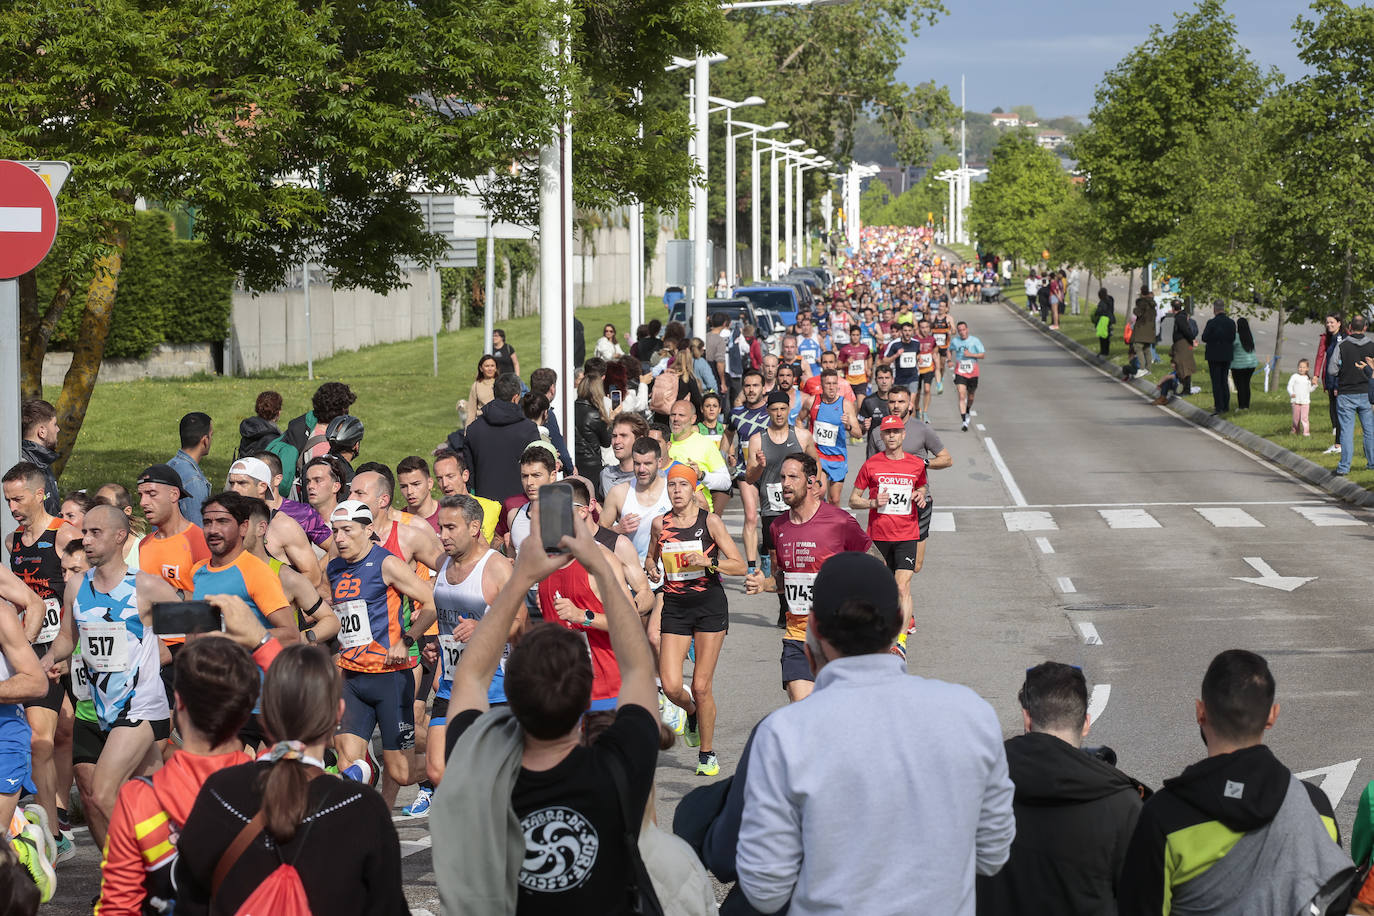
<point>875,406</point>
<point>575,856</point>
<point>503,355</point>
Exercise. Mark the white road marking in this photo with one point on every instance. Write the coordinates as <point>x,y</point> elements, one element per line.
<point>1029,521</point>
<point>942,521</point>
<point>21,219</point>
<point>1229,518</point>
<point>1012,489</point>
<point>410,847</point>
<point>1066,585</point>
<point>1044,544</point>
<point>1189,503</point>
<point>1089,634</point>
<point>1327,516</point>
<point>980,427</point>
<point>421,912</point>
<point>1269,577</point>
<point>1335,778</point>
<point>1097,701</point>
<point>1128,518</point>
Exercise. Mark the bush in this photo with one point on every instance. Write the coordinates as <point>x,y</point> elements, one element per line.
<point>170,291</point>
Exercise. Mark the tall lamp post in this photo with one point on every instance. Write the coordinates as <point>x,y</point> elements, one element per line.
<point>773,239</point>
<point>803,164</point>
<point>755,197</point>
<point>729,108</point>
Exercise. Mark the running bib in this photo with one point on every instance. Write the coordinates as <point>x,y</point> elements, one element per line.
<point>105,647</point>
<point>355,626</point>
<point>857,368</point>
<point>797,587</point>
<point>907,360</point>
<point>869,342</point>
<point>675,568</point>
<point>898,500</point>
<point>52,619</point>
<point>941,339</point>
<point>774,493</point>
<point>715,439</point>
<point>826,434</point>
<point>450,650</point>
<point>967,367</point>
<point>81,680</point>
<point>927,361</point>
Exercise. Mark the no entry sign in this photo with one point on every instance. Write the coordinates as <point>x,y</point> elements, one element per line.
<point>28,219</point>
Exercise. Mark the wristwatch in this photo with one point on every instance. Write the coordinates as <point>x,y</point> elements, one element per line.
<point>408,640</point>
<point>591,616</point>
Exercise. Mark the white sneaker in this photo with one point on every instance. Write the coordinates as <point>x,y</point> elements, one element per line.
<point>675,717</point>
<point>1333,450</point>
<point>1142,373</point>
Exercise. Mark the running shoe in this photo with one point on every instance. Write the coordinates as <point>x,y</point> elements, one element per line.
<point>35,814</point>
<point>899,649</point>
<point>707,765</point>
<point>693,736</point>
<point>66,849</point>
<point>964,427</point>
<point>939,387</point>
<point>376,766</point>
<point>29,849</point>
<point>674,717</point>
<point>419,807</point>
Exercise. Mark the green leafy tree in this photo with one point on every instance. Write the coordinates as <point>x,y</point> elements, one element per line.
<point>1149,108</point>
<point>1012,212</point>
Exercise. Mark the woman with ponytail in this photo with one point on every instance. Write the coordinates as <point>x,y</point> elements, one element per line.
<point>283,815</point>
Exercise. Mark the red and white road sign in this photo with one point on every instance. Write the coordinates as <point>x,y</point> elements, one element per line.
<point>28,219</point>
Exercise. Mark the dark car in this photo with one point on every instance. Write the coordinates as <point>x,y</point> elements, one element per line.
<point>737,308</point>
<point>777,297</point>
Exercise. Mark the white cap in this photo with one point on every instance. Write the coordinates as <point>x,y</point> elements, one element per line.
<point>255,468</point>
<point>351,510</point>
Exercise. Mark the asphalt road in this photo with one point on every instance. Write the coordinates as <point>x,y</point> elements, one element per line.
<point>1080,524</point>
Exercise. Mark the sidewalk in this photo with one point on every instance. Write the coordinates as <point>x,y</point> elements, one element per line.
<point>1341,487</point>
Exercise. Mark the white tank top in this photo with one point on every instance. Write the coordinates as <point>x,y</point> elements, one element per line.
<point>454,602</point>
<point>646,514</point>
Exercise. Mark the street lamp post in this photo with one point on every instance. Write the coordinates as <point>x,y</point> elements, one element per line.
<point>755,200</point>
<point>729,108</point>
<point>777,150</point>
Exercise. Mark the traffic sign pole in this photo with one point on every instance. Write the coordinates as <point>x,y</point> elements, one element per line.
<point>10,432</point>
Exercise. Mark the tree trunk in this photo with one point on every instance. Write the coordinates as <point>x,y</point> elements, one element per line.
<point>90,347</point>
<point>35,330</point>
<point>1278,348</point>
<point>1345,283</point>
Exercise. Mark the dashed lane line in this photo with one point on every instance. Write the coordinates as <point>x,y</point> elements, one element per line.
<point>1044,545</point>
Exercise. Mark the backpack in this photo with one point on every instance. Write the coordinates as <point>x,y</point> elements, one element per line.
<point>279,894</point>
<point>664,393</point>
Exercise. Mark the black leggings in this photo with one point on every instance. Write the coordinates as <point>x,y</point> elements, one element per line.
<point>1335,417</point>
<point>1104,346</point>
<point>1242,379</point>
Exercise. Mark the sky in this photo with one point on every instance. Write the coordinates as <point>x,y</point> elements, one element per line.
<point>1053,53</point>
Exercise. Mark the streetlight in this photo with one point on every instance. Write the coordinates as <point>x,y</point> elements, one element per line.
<point>793,211</point>
<point>857,173</point>
<point>803,164</point>
<point>729,108</point>
<point>755,216</point>
<point>773,196</point>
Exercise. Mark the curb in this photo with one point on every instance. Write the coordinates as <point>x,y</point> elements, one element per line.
<point>1340,487</point>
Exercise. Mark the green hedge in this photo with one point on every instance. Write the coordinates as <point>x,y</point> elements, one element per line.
<point>170,291</point>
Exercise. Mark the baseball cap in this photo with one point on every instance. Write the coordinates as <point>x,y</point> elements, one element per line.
<point>164,474</point>
<point>352,510</point>
<point>779,397</point>
<point>255,468</point>
<point>892,421</point>
<point>854,576</point>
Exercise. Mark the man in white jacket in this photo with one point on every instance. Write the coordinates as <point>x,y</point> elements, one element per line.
<point>881,792</point>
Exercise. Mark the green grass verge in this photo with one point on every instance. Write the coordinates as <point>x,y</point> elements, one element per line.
<point>1269,414</point>
<point>406,410</point>
<point>965,252</point>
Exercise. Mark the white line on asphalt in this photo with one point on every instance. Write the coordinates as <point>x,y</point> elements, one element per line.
<point>1336,778</point>
<point>1045,546</point>
<point>21,219</point>
<point>1327,516</point>
<point>1029,521</point>
<point>1190,503</point>
<point>1066,586</point>
<point>1128,518</point>
<point>1088,632</point>
<point>1012,489</point>
<point>421,912</point>
<point>1097,702</point>
<point>942,521</point>
<point>1229,518</point>
<point>410,847</point>
<point>981,427</point>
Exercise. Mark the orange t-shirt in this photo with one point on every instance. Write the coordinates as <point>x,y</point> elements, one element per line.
<point>173,558</point>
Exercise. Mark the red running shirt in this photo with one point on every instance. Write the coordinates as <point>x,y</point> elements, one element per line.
<point>572,582</point>
<point>896,519</point>
<point>801,549</point>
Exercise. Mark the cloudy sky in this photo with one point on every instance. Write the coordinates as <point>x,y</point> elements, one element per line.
<point>1052,53</point>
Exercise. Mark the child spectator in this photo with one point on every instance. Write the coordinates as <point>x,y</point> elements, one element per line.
<point>1300,396</point>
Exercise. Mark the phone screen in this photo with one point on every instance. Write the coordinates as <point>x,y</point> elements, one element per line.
<point>555,514</point>
<point>178,618</point>
<point>615,397</point>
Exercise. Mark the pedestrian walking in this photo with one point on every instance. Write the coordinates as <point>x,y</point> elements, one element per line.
<point>1243,363</point>
<point>1219,337</point>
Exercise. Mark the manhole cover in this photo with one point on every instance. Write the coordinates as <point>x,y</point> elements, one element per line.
<point>1100,606</point>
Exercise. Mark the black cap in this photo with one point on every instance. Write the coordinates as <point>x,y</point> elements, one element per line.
<point>163,474</point>
<point>855,577</point>
<point>777,396</point>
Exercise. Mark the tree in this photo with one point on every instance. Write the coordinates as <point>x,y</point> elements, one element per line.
<point>873,201</point>
<point>1025,112</point>
<point>1012,212</point>
<point>298,130</point>
<point>1319,229</point>
<point>1157,99</point>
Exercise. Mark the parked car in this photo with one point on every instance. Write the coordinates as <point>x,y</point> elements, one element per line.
<point>780,298</point>
<point>737,308</point>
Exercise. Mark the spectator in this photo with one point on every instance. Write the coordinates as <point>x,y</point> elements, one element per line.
<point>1183,335</point>
<point>1237,832</point>
<point>1352,394</point>
<point>1032,291</point>
<point>258,431</point>
<point>1074,812</point>
<point>1300,397</point>
<point>1106,309</point>
<point>715,344</point>
<point>593,430</point>
<point>302,810</point>
<point>38,421</point>
<point>304,437</point>
<point>1219,336</point>
<point>1324,374</point>
<point>701,367</point>
<point>607,347</point>
<point>492,443</point>
<point>1243,363</point>
<point>1143,330</point>
<point>196,431</point>
<point>545,381</point>
<point>480,392</point>
<point>506,360</point>
<point>831,851</point>
<point>531,795</point>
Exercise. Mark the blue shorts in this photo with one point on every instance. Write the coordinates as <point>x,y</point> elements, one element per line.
<point>602,705</point>
<point>837,469</point>
<point>15,737</point>
<point>383,700</point>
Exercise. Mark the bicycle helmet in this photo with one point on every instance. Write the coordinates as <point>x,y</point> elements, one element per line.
<point>344,433</point>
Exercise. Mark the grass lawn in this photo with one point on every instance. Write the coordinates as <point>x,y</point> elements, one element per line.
<point>404,408</point>
<point>1269,414</point>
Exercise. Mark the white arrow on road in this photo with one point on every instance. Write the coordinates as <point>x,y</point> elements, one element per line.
<point>1335,779</point>
<point>1271,579</point>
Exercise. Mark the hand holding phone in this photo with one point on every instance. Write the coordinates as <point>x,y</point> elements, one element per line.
<point>181,618</point>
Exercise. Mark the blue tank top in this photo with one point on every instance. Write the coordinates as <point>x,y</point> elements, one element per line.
<point>120,653</point>
<point>827,427</point>
<point>363,599</point>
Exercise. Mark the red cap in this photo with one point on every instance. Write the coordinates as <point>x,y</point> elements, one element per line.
<point>892,421</point>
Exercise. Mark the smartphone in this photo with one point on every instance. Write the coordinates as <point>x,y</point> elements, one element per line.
<point>615,397</point>
<point>178,618</point>
<point>555,514</point>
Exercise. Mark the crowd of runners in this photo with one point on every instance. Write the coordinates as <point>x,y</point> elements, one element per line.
<point>306,551</point>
